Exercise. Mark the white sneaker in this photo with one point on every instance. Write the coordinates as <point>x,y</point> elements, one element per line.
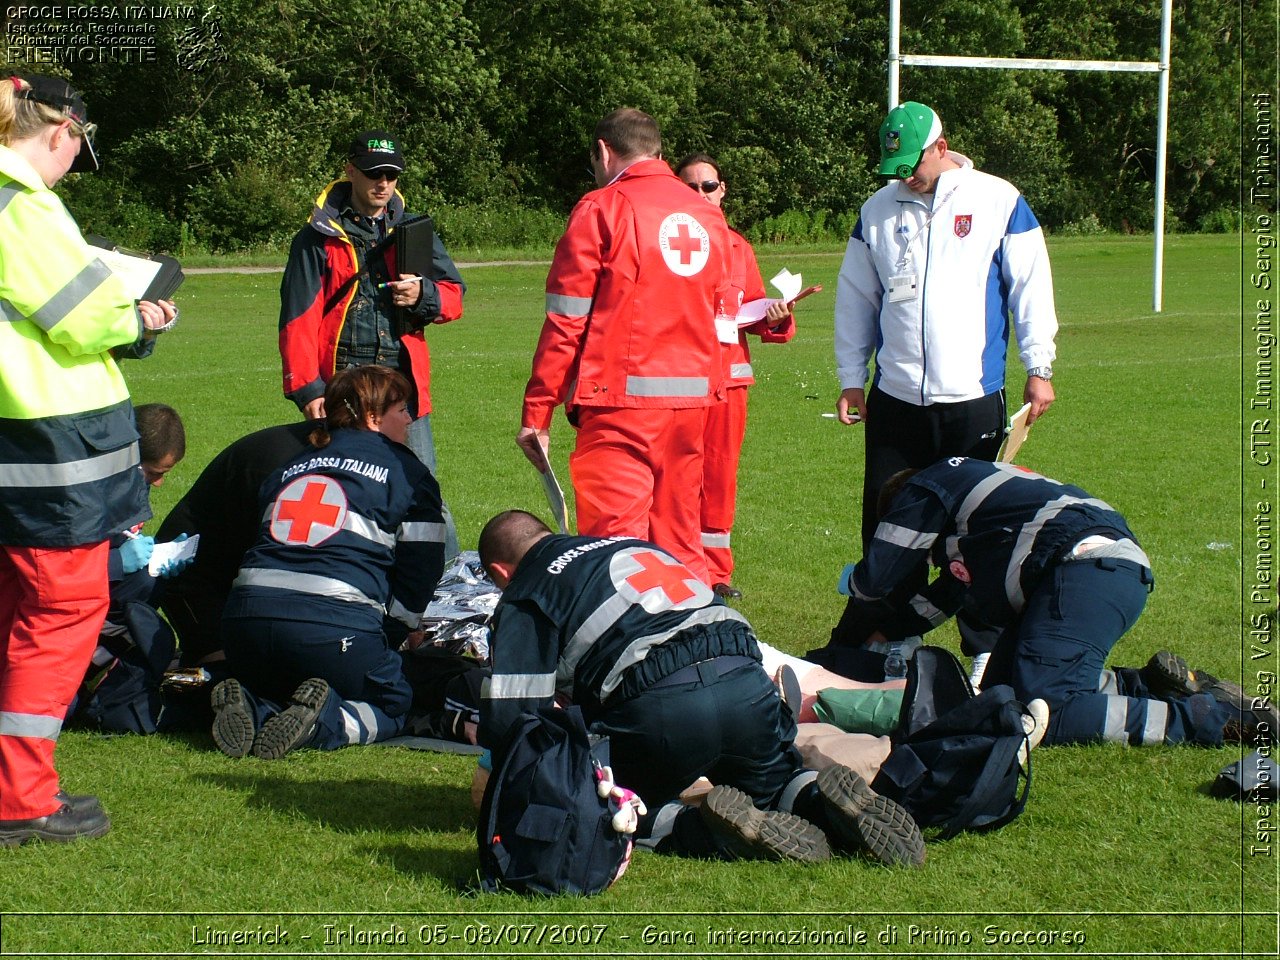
<point>1034,724</point>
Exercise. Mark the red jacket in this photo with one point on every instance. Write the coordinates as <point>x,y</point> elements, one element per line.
<point>632,296</point>
<point>748,285</point>
<point>313,303</point>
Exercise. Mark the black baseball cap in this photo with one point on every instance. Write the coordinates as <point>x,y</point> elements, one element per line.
<point>61,96</point>
<point>375,150</point>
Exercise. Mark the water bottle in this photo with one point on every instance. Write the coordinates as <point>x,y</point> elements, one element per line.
<point>895,664</point>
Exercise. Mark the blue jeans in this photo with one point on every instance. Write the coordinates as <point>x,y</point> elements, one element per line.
<point>422,443</point>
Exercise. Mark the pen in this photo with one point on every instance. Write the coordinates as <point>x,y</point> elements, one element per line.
<point>383,286</point>
<point>130,534</point>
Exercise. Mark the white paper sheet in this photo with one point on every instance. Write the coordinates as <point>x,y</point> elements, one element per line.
<point>165,553</point>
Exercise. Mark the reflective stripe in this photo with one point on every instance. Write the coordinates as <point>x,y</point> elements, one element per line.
<point>10,313</point>
<point>1113,728</point>
<point>409,618</point>
<point>1123,549</point>
<point>792,790</point>
<point>521,686</point>
<point>350,724</point>
<point>977,495</point>
<point>664,822</point>
<point>905,537</point>
<point>925,609</point>
<point>592,629</point>
<point>29,725</point>
<point>1108,682</point>
<point>8,192</point>
<point>739,370</point>
<point>421,532</point>
<point>366,720</point>
<point>73,293</point>
<point>667,386</point>
<point>568,306</point>
<point>366,529</point>
<point>23,475</point>
<point>1027,538</point>
<point>637,650</point>
<point>1157,723</point>
<point>302,583</point>
<point>720,540</point>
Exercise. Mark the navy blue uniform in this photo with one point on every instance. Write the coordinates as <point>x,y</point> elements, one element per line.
<point>347,559</point>
<point>1058,570</point>
<point>657,663</point>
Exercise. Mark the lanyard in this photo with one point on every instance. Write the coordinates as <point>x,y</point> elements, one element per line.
<point>924,227</point>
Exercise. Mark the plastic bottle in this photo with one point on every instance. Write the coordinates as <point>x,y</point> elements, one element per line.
<point>895,664</point>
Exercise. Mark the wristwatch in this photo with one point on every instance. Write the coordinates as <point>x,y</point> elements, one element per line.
<point>1044,373</point>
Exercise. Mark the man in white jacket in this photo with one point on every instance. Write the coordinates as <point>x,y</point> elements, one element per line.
<point>940,260</point>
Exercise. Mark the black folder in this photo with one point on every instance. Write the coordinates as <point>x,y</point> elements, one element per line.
<point>146,276</point>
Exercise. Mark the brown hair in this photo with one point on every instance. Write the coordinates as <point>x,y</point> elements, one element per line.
<point>160,432</point>
<point>629,133</point>
<point>354,394</point>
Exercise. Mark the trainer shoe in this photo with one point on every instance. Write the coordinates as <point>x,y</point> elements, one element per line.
<point>292,727</point>
<point>727,591</point>
<point>862,821</point>
<point>232,719</point>
<point>63,825</point>
<point>753,834</point>
<point>1034,724</point>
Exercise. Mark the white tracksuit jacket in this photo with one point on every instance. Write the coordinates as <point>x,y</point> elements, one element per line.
<point>976,258</point>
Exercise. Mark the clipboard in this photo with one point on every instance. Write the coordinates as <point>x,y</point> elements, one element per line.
<point>1018,430</point>
<point>146,276</point>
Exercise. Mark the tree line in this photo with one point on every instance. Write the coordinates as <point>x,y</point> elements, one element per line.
<point>223,141</point>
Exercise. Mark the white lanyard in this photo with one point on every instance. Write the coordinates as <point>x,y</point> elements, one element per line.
<point>924,227</point>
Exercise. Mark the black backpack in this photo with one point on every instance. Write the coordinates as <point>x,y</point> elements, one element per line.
<point>126,697</point>
<point>954,763</point>
<point>543,826</point>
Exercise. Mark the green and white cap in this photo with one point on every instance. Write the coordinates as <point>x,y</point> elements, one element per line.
<point>908,130</point>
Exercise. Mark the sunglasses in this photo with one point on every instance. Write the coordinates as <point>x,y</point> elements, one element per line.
<point>706,186</point>
<point>378,175</point>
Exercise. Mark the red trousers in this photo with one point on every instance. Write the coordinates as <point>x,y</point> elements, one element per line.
<point>52,605</point>
<point>638,473</point>
<point>722,443</point>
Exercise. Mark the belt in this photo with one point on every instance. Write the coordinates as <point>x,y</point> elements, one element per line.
<point>705,670</point>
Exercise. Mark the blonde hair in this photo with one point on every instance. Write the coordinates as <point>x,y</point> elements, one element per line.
<point>22,118</point>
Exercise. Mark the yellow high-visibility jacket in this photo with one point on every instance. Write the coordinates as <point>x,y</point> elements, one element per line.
<point>68,445</point>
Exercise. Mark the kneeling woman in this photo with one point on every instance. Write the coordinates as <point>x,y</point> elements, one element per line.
<point>348,557</point>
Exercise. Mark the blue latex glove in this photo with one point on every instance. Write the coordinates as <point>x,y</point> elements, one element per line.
<point>136,552</point>
<point>845,586</point>
<point>174,567</point>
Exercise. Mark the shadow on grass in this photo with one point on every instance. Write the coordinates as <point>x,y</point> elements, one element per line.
<point>353,806</point>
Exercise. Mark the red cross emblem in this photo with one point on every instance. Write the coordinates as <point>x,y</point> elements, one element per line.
<point>964,223</point>
<point>657,581</point>
<point>309,511</point>
<point>685,244</point>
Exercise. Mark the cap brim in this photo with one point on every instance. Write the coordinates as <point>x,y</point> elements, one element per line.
<point>378,166</point>
<point>889,166</point>
<point>86,160</point>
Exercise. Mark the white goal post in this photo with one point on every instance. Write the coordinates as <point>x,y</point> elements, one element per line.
<point>897,60</point>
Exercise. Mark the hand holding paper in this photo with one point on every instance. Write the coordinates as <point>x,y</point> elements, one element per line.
<point>790,285</point>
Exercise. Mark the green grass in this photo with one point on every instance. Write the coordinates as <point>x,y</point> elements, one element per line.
<point>1147,418</point>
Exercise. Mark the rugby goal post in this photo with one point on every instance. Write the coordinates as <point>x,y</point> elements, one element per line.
<point>1161,67</point>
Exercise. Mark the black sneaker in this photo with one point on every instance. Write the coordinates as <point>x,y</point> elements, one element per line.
<point>862,821</point>
<point>727,591</point>
<point>232,719</point>
<point>753,834</point>
<point>292,727</point>
<point>1168,675</point>
<point>63,825</point>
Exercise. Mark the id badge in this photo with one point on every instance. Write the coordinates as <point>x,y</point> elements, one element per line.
<point>726,329</point>
<point>902,287</point>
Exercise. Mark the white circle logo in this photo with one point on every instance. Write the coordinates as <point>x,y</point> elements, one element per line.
<point>685,244</point>
<point>309,511</point>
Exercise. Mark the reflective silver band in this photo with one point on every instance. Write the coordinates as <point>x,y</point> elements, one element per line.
<point>904,537</point>
<point>568,306</point>
<point>30,725</point>
<point>720,540</point>
<point>924,608</point>
<point>667,386</point>
<point>740,370</point>
<point>17,476</point>
<point>303,583</point>
<point>409,618</point>
<point>520,686</point>
<point>421,532</point>
<point>366,529</point>
<point>1113,728</point>
<point>592,629</point>
<point>1157,724</point>
<point>637,650</point>
<point>1027,538</point>
<point>8,192</point>
<point>74,292</point>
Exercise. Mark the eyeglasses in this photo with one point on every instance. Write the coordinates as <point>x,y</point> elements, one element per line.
<point>379,175</point>
<point>706,186</point>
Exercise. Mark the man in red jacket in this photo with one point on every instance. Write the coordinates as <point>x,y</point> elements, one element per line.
<point>341,307</point>
<point>629,343</point>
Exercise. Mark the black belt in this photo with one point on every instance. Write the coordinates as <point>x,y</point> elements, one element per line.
<point>707,671</point>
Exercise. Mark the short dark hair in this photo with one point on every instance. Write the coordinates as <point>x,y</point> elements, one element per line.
<point>629,133</point>
<point>507,537</point>
<point>892,487</point>
<point>693,158</point>
<point>160,432</point>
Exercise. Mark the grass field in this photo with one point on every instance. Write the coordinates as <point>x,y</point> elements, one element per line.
<point>1120,851</point>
